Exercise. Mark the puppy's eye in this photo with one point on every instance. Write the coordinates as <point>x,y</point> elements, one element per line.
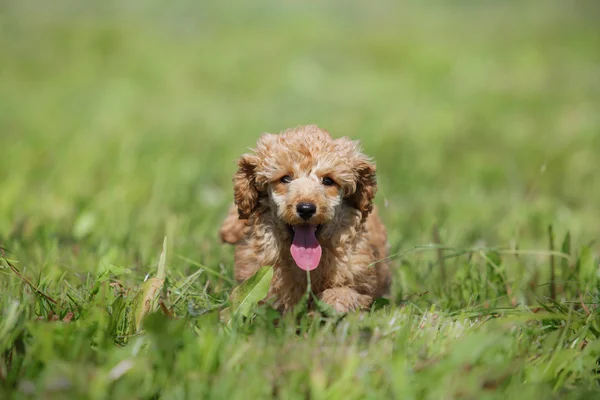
<point>327,181</point>
<point>286,179</point>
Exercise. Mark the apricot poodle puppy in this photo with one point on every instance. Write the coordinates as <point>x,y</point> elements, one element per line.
<point>304,202</point>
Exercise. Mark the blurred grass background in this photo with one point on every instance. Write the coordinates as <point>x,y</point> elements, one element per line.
<point>120,123</point>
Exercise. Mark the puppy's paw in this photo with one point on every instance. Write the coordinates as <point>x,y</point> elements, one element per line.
<point>344,299</point>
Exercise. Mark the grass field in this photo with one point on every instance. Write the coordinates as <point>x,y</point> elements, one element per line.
<point>120,124</point>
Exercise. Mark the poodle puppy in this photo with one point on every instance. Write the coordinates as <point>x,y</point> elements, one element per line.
<point>304,202</point>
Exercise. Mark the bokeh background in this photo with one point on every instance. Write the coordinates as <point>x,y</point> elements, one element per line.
<point>121,121</point>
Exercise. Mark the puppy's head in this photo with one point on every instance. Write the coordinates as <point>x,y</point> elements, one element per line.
<point>305,177</point>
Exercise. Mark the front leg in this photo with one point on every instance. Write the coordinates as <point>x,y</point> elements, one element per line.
<point>345,299</point>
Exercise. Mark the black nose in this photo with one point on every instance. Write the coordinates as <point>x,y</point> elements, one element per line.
<point>306,210</point>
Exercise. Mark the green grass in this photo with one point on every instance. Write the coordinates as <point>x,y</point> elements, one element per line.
<point>120,124</point>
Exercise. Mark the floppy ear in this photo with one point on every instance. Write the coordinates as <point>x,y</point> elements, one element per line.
<point>366,186</point>
<point>245,189</point>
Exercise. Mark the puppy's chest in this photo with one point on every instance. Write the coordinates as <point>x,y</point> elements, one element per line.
<point>329,273</point>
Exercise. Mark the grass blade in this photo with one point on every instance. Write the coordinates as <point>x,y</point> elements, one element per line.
<point>146,299</point>
<point>247,295</point>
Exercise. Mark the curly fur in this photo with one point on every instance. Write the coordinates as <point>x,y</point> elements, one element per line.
<point>351,272</point>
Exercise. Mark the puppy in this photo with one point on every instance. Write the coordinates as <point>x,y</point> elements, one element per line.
<point>304,204</point>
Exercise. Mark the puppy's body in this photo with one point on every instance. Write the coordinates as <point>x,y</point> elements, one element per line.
<point>298,187</point>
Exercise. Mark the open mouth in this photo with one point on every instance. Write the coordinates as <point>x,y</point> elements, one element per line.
<point>306,250</point>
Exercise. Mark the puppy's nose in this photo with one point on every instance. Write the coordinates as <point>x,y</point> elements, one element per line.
<point>306,210</point>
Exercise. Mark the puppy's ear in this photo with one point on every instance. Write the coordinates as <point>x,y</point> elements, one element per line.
<point>366,186</point>
<point>245,189</point>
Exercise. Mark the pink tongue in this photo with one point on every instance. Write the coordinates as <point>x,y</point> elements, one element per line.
<point>305,247</point>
